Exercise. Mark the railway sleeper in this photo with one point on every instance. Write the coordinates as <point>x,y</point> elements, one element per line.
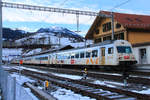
<point>89,91</point>
<point>81,90</point>
<point>76,89</point>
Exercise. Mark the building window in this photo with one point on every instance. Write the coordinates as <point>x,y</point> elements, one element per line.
<point>98,40</point>
<point>118,25</point>
<point>119,36</point>
<point>107,27</point>
<point>122,36</point>
<point>143,56</point>
<point>97,31</point>
<point>106,38</point>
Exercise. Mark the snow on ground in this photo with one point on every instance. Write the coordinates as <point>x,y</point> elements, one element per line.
<point>68,76</point>
<point>108,73</point>
<point>60,94</point>
<point>143,91</point>
<point>31,94</point>
<point>108,83</point>
<point>21,79</point>
<point>36,70</point>
<point>63,94</point>
<point>21,68</point>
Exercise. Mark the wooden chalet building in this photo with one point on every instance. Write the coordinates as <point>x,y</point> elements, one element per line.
<point>131,27</point>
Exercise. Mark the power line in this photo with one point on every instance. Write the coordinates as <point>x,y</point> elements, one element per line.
<point>52,9</point>
<point>120,4</point>
<point>63,2</point>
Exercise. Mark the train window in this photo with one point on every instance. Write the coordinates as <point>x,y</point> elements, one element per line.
<point>77,55</point>
<point>94,53</point>
<point>44,58</point>
<point>58,56</point>
<point>110,50</point>
<point>37,58</point>
<point>81,54</point>
<point>72,57</point>
<point>88,54</point>
<point>65,56</point>
<point>124,49</point>
<point>68,56</point>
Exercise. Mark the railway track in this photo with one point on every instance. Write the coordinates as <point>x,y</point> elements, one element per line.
<point>99,92</point>
<point>135,77</point>
<point>134,71</point>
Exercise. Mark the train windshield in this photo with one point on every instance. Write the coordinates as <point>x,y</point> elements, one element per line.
<point>124,49</point>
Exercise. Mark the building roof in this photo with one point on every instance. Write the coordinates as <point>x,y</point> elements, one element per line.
<point>129,21</point>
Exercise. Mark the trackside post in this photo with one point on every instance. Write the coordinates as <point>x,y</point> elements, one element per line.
<point>85,74</point>
<point>46,85</point>
<point>20,63</point>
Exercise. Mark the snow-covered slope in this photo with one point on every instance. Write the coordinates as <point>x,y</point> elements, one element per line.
<point>52,36</point>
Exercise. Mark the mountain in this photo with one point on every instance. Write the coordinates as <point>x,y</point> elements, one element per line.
<point>9,34</point>
<point>59,31</point>
<point>53,36</point>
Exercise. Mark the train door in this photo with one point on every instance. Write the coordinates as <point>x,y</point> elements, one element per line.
<point>143,58</point>
<point>103,56</point>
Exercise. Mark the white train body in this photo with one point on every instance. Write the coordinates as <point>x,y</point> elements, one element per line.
<point>113,53</point>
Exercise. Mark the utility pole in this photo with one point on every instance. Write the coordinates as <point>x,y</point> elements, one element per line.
<point>112,25</point>
<point>1,33</point>
<point>77,16</point>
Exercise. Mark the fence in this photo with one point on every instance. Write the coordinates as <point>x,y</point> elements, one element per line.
<point>11,89</point>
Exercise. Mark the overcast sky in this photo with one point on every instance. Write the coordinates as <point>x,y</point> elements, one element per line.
<point>33,20</point>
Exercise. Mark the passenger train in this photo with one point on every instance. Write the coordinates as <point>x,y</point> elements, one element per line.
<point>109,53</point>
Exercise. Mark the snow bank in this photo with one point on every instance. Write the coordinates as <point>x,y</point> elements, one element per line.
<point>63,94</point>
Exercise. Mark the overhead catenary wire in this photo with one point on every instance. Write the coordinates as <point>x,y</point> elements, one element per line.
<point>112,16</point>
<point>61,4</point>
<point>118,5</point>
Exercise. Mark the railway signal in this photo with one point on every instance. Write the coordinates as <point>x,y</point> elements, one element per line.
<point>85,74</point>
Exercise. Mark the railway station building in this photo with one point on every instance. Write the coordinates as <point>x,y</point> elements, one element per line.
<point>131,27</point>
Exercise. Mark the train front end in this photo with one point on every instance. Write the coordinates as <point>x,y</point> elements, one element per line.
<point>124,53</point>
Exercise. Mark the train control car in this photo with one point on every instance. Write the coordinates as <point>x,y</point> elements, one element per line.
<point>109,53</point>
